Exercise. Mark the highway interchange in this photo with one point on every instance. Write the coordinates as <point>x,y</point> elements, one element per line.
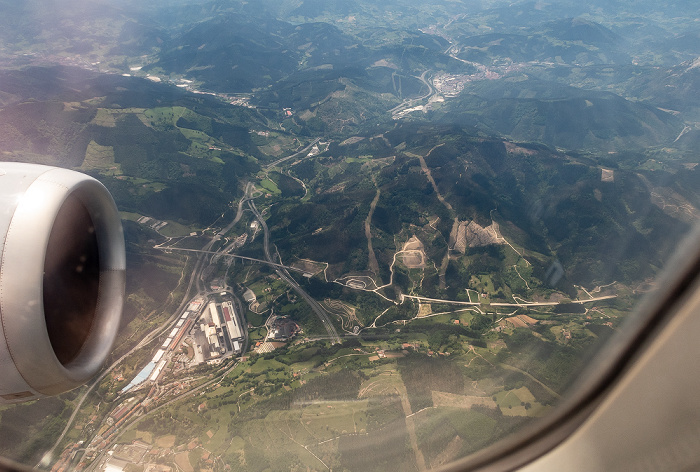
<point>197,280</point>
<point>196,289</point>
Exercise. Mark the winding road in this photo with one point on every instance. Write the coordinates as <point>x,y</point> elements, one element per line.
<point>195,278</point>
<point>298,153</point>
<point>284,275</point>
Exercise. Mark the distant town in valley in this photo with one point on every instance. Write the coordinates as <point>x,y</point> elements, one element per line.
<point>360,236</point>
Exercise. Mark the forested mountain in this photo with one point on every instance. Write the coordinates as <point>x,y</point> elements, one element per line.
<point>427,215</point>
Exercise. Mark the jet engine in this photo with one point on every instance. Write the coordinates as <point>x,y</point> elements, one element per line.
<point>62,278</point>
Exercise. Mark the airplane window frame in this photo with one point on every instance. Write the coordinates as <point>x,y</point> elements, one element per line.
<point>678,278</point>
<point>607,367</point>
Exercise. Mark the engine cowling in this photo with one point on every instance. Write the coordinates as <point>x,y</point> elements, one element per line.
<point>62,279</point>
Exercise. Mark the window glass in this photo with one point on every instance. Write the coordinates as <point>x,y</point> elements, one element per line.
<point>360,235</point>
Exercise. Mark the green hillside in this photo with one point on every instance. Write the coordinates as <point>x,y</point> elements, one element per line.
<point>565,117</point>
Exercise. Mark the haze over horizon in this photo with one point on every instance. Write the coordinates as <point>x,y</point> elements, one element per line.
<point>421,219</point>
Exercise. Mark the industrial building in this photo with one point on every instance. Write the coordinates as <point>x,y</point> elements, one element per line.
<point>232,321</point>
<point>219,332</point>
<point>153,369</point>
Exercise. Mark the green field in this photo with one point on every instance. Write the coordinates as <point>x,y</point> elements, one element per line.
<point>270,186</point>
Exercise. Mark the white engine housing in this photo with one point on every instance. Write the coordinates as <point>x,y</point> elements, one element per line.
<point>62,279</point>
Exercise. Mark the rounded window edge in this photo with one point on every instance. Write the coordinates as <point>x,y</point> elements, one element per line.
<point>606,369</point>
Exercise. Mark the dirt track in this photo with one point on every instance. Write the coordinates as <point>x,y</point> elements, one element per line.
<point>373,264</point>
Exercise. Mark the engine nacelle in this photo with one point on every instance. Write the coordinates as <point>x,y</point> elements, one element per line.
<point>62,279</point>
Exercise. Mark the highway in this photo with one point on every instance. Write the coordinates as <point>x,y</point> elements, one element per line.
<point>284,275</point>
<point>235,256</point>
<point>524,304</point>
<point>195,276</point>
<point>249,188</point>
<point>298,153</point>
<point>144,342</point>
<point>206,249</point>
<point>135,419</point>
<point>410,102</point>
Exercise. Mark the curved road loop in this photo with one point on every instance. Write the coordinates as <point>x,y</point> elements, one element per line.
<point>284,275</point>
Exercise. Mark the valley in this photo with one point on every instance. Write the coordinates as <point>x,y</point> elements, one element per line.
<point>423,220</point>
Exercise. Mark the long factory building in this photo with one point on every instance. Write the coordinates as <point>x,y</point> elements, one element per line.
<point>223,332</point>
<point>156,365</point>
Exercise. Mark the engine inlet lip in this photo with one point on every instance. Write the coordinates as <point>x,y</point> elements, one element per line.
<point>21,276</point>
